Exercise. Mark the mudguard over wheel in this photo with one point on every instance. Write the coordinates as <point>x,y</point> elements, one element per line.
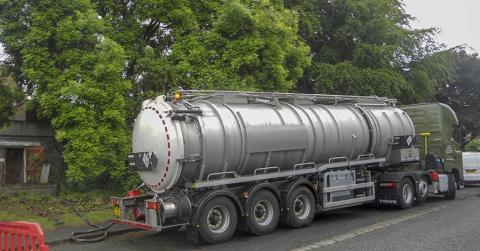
<point>300,208</point>
<point>217,220</point>
<point>263,213</point>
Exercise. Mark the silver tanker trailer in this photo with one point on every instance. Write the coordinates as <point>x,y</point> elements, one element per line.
<point>218,161</point>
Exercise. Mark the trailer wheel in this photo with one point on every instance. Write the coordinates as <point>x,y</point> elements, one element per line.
<point>263,213</point>
<point>422,193</point>
<point>301,208</point>
<point>452,188</point>
<point>405,194</point>
<point>218,220</point>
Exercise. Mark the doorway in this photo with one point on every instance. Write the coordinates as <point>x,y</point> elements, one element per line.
<point>14,166</point>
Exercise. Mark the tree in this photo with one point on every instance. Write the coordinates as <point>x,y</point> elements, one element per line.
<point>365,48</point>
<point>147,30</point>
<point>187,43</point>
<point>14,26</point>
<point>251,45</point>
<point>432,73</point>
<point>473,146</point>
<point>77,74</point>
<point>207,44</point>
<point>87,66</point>
<point>9,96</point>
<point>463,94</point>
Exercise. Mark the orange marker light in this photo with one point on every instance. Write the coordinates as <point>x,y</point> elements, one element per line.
<point>153,205</point>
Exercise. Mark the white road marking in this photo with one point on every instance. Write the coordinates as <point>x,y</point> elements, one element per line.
<point>365,230</point>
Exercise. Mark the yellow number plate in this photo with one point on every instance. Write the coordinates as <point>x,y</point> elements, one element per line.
<point>471,170</point>
<point>116,211</point>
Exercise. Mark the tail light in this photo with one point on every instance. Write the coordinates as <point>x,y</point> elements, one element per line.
<point>434,176</point>
<point>133,193</point>
<point>392,184</point>
<point>153,205</point>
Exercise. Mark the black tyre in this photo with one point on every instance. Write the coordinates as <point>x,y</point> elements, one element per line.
<point>422,191</point>
<point>405,194</point>
<point>452,188</point>
<point>457,180</point>
<point>217,220</point>
<point>263,213</point>
<point>300,208</point>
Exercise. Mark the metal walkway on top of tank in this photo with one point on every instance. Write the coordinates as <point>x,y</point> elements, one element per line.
<point>317,98</point>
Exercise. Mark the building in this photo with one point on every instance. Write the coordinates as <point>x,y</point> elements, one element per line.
<point>30,157</point>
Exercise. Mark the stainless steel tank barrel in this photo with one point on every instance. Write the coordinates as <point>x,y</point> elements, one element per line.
<point>242,132</point>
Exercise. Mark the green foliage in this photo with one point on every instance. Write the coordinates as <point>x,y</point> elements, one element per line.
<point>205,44</point>
<point>52,212</point>
<point>9,95</point>
<point>147,30</point>
<point>78,76</point>
<point>463,93</point>
<point>347,78</point>
<point>473,146</point>
<point>366,47</point>
<point>87,65</point>
<point>432,73</point>
<point>252,45</point>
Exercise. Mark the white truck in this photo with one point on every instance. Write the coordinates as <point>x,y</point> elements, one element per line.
<point>471,167</point>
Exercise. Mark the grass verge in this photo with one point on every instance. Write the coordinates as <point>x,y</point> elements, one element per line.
<point>53,212</point>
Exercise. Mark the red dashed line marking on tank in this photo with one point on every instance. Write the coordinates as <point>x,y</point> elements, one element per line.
<point>168,146</point>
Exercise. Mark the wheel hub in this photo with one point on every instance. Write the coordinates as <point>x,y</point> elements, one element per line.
<point>301,207</point>
<point>263,212</point>
<point>298,206</point>
<point>218,219</point>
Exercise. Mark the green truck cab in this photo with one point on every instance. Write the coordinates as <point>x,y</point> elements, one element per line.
<point>439,136</point>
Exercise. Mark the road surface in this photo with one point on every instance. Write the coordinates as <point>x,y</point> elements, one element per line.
<point>436,225</point>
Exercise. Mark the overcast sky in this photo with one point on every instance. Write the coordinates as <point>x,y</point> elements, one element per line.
<point>458,20</point>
